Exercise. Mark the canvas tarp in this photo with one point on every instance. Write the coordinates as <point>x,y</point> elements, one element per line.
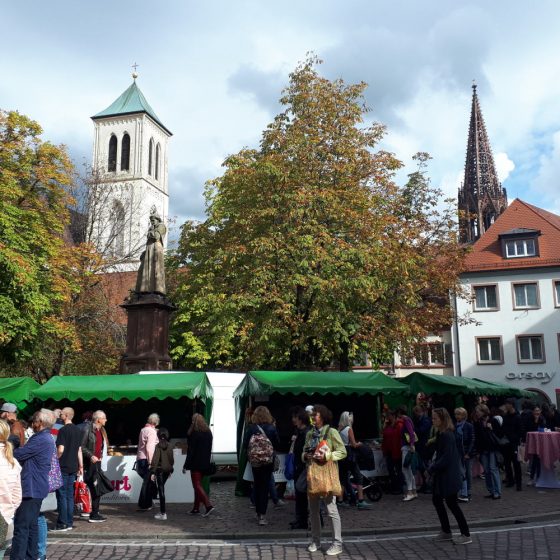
<point>17,390</point>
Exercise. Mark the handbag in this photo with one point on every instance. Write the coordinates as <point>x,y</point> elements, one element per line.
<point>55,474</point>
<point>498,441</point>
<point>82,499</point>
<point>289,466</point>
<point>101,484</point>
<point>49,503</point>
<point>323,479</point>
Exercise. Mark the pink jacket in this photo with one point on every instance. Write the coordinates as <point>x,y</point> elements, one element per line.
<point>147,442</point>
<point>10,486</point>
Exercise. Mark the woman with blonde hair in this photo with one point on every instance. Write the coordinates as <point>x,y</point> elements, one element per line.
<point>447,478</point>
<point>260,454</point>
<point>199,452</point>
<point>10,477</point>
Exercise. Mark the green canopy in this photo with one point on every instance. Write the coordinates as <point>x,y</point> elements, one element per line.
<point>429,384</point>
<point>17,390</point>
<point>319,382</point>
<point>194,385</point>
<point>507,390</point>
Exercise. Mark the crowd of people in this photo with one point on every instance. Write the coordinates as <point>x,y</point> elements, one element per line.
<point>47,458</point>
<point>40,465</point>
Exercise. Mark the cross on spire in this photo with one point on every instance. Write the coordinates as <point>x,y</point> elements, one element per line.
<point>134,73</point>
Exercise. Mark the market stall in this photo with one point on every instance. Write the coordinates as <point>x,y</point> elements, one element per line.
<point>359,392</point>
<point>128,400</point>
<point>17,390</point>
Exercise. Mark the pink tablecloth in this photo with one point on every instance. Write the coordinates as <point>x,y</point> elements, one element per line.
<point>544,444</point>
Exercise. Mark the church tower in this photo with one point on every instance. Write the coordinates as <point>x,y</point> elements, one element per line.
<point>481,196</point>
<point>129,177</point>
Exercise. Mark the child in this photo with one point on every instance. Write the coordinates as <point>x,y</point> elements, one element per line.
<point>161,469</point>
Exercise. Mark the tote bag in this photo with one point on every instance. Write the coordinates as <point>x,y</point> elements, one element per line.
<point>323,479</point>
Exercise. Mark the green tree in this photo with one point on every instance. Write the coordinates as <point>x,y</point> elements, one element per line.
<point>36,265</point>
<point>311,254</point>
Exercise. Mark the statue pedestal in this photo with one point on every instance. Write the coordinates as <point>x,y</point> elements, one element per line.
<point>147,334</point>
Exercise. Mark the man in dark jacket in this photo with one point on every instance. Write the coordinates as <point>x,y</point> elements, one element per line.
<point>300,419</point>
<point>93,443</point>
<point>35,458</point>
<point>511,429</point>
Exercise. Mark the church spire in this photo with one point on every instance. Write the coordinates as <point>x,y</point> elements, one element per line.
<point>481,196</point>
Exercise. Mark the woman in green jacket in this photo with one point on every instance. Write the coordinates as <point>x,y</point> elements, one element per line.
<point>334,451</point>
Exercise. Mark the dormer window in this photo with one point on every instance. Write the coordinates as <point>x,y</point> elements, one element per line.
<point>520,243</point>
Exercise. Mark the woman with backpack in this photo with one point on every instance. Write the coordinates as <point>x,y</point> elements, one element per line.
<point>199,452</point>
<point>261,439</point>
<point>161,468</point>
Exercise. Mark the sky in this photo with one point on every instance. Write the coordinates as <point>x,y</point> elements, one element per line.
<point>213,72</point>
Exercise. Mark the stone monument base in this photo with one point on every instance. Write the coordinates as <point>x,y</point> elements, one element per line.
<point>147,333</point>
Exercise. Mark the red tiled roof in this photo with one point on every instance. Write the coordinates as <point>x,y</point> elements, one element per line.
<point>487,251</point>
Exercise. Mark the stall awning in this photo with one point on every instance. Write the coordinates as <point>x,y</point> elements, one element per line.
<point>319,382</point>
<point>430,384</point>
<point>102,387</point>
<point>507,390</point>
<point>17,390</point>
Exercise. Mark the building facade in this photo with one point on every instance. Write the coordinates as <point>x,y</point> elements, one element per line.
<point>509,318</point>
<point>130,177</point>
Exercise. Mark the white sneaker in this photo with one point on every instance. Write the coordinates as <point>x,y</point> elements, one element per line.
<point>313,547</point>
<point>530,482</point>
<point>161,516</point>
<point>280,503</point>
<point>409,497</point>
<point>334,549</point>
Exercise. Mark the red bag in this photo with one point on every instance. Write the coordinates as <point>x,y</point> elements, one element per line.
<point>82,499</point>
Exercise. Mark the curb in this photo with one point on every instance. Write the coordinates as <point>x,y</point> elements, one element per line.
<point>298,534</point>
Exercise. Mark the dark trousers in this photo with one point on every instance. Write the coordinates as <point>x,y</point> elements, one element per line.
<point>302,510</point>
<point>454,508</point>
<point>261,476</point>
<point>26,533</point>
<point>510,459</point>
<point>200,495</point>
<point>161,479</point>
<point>395,473</point>
<point>65,500</point>
<point>95,500</point>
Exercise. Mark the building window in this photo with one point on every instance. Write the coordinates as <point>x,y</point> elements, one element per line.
<point>428,354</point>
<point>485,298</point>
<point>526,296</point>
<point>157,162</point>
<point>521,248</point>
<point>530,349</point>
<point>557,293</point>
<point>125,152</point>
<point>112,163</point>
<point>490,350</point>
<point>150,155</point>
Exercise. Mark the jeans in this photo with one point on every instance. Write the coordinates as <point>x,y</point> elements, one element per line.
<point>395,473</point>
<point>65,500</point>
<point>454,508</point>
<point>407,471</point>
<point>42,536</point>
<point>26,533</point>
<point>535,467</point>
<point>200,495</point>
<point>142,467</point>
<point>491,472</point>
<point>261,485</point>
<point>467,482</point>
<point>332,510</point>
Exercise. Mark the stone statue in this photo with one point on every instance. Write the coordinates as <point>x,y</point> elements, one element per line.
<point>151,274</point>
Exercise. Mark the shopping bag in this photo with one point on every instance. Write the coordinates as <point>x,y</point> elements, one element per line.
<point>289,466</point>
<point>82,499</point>
<point>322,479</point>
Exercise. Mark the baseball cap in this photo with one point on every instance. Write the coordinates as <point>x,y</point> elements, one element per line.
<point>8,407</point>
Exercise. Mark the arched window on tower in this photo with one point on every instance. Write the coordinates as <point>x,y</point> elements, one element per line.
<point>157,162</point>
<point>112,163</point>
<point>150,155</point>
<point>115,242</point>
<point>125,152</point>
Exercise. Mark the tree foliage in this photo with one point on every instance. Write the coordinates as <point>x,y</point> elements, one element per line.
<point>311,254</point>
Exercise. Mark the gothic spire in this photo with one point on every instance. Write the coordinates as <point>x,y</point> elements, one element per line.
<point>481,196</point>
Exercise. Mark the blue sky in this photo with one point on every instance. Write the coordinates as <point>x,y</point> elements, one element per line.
<point>213,72</point>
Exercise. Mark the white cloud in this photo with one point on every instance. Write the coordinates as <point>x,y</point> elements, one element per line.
<point>547,181</point>
<point>504,166</point>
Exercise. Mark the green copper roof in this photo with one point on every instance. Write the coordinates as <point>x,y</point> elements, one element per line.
<point>131,101</point>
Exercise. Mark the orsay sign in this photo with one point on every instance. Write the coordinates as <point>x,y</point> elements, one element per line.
<point>542,376</point>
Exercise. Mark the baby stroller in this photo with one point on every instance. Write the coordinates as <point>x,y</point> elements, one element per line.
<point>366,462</point>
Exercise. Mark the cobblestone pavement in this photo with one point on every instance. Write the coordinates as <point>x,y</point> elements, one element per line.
<point>510,543</point>
<point>233,518</point>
